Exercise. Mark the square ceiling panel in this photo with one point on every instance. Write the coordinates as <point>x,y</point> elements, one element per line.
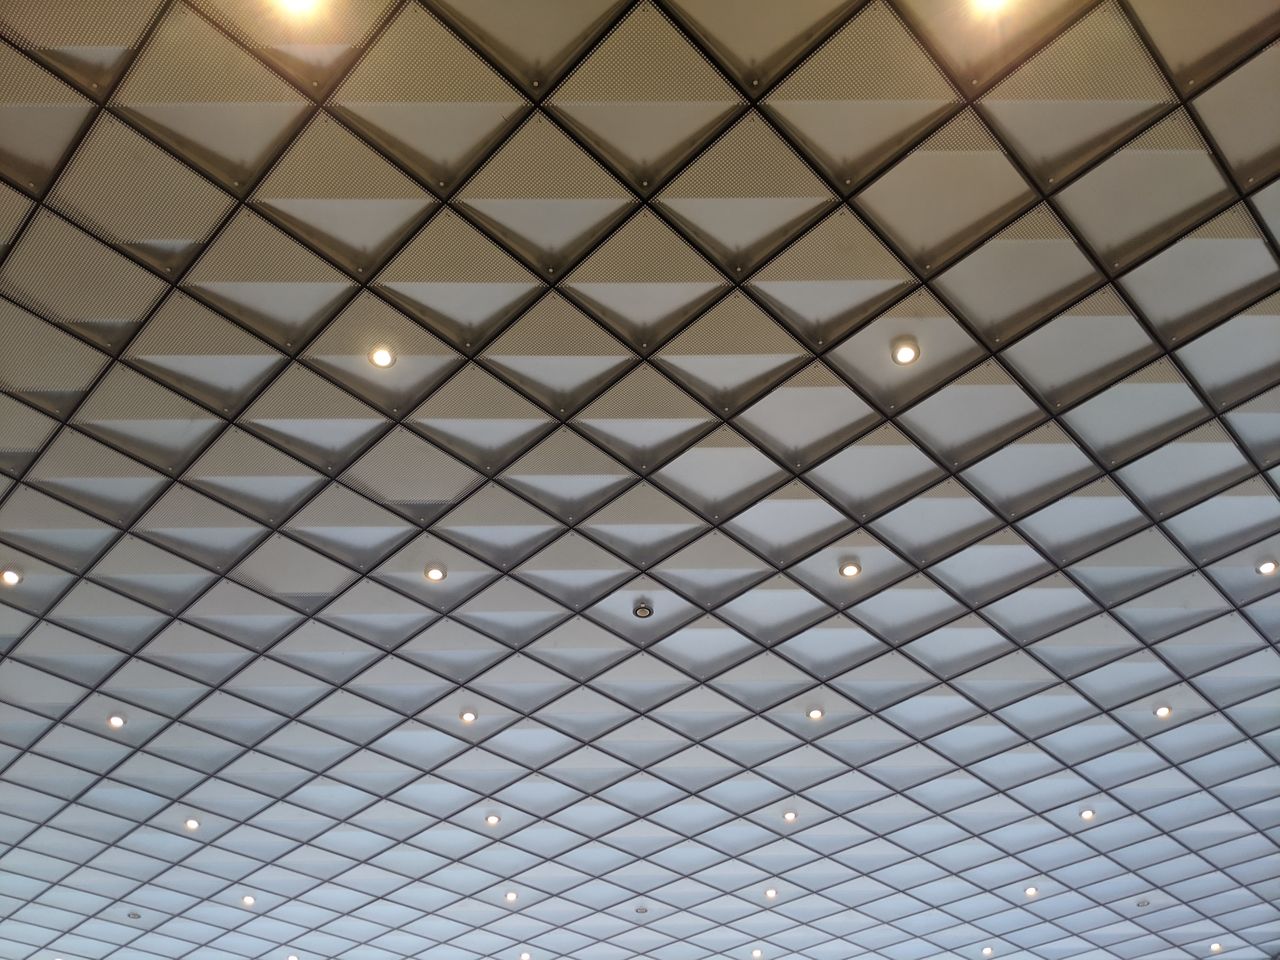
<point>659,479</point>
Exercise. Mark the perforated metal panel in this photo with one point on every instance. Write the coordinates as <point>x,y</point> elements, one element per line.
<point>639,480</point>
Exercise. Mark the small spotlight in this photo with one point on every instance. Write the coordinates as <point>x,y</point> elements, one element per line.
<point>1267,568</point>
<point>297,8</point>
<point>292,956</point>
<point>1215,948</point>
<point>510,896</point>
<point>467,716</point>
<point>757,954</point>
<point>192,823</point>
<point>11,578</point>
<point>382,357</point>
<point>247,900</point>
<point>989,6</point>
<point>850,569</point>
<point>789,816</point>
<point>115,721</point>
<point>771,894</point>
<point>1086,814</point>
<point>1163,712</point>
<point>905,351</point>
<point>493,819</point>
<point>987,951</point>
<point>435,574</point>
<point>815,713</point>
<point>1031,892</point>
<point>525,956</point>
<point>642,610</point>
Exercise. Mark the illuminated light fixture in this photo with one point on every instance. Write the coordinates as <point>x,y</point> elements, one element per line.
<point>1031,892</point>
<point>525,956</point>
<point>510,896</point>
<point>11,578</point>
<point>247,900</point>
<point>771,894</point>
<point>381,357</point>
<point>467,716</point>
<point>1215,948</point>
<point>1267,568</point>
<point>192,823</point>
<point>292,956</point>
<point>757,954</point>
<point>1163,712</point>
<point>435,574</point>
<point>297,8</point>
<point>987,951</point>
<point>642,610</point>
<point>1086,814</point>
<point>905,351</point>
<point>989,6</point>
<point>115,721</point>
<point>815,713</point>
<point>493,819</point>
<point>850,569</point>
<point>789,816</point>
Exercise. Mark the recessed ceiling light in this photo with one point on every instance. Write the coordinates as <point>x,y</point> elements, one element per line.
<point>115,721</point>
<point>789,816</point>
<point>435,574</point>
<point>757,954</point>
<point>192,823</point>
<point>292,956</point>
<point>1163,712</point>
<point>11,578</point>
<point>493,819</point>
<point>850,569</point>
<point>1143,904</point>
<point>1086,814</point>
<point>1215,947</point>
<point>987,951</point>
<point>381,357</point>
<point>297,8</point>
<point>467,716</point>
<point>815,713</point>
<point>771,893</point>
<point>525,956</point>
<point>905,351</point>
<point>1267,568</point>
<point>247,900</point>
<point>134,915</point>
<point>989,6</point>
<point>1031,891</point>
<point>510,896</point>
<point>642,610</point>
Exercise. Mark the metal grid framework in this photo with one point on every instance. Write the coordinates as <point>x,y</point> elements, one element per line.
<point>640,267</point>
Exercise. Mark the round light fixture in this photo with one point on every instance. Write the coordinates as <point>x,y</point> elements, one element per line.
<point>642,610</point>
<point>381,357</point>
<point>525,956</point>
<point>1086,814</point>
<point>493,819</point>
<point>297,8</point>
<point>134,915</point>
<point>435,574</point>
<point>815,713</point>
<point>1163,712</point>
<point>789,816</point>
<point>987,951</point>
<point>1215,947</point>
<point>757,954</point>
<point>115,721</point>
<point>247,900</point>
<point>192,823</point>
<point>850,569</point>
<point>11,578</point>
<point>1031,892</point>
<point>905,350</point>
<point>292,956</point>
<point>771,894</point>
<point>510,896</point>
<point>467,716</point>
<point>1267,568</point>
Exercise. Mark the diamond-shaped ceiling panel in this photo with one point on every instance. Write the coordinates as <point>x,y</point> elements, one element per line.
<point>639,480</point>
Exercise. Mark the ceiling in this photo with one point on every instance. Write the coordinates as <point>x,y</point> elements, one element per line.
<point>640,272</point>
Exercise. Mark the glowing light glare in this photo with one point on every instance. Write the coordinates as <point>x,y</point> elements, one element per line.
<point>987,951</point>
<point>757,954</point>
<point>1267,568</point>
<point>1086,814</point>
<point>525,956</point>
<point>11,578</point>
<point>1163,713</point>
<point>192,823</point>
<point>292,956</point>
<point>247,900</point>
<point>771,894</point>
<point>1215,947</point>
<point>493,819</point>
<point>467,716</point>
<point>435,574</point>
<point>382,357</point>
<point>905,351</point>
<point>510,896</point>
<point>815,713</point>
<point>989,6</point>
<point>1031,891</point>
<point>850,569</point>
<point>789,816</point>
<point>298,8</point>
<point>115,721</point>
